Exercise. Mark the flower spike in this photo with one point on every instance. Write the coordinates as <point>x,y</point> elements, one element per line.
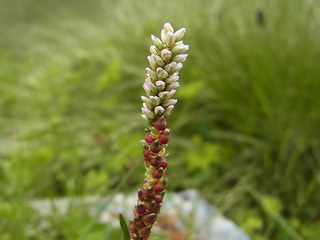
<point>165,62</point>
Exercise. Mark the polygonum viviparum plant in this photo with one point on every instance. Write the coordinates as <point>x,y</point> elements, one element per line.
<point>165,61</point>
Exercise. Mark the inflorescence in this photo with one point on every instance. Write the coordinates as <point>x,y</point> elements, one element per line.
<point>165,61</point>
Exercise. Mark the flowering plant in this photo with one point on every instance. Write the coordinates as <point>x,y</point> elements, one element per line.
<point>165,61</point>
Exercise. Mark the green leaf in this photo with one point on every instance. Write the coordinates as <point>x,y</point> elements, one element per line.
<point>125,229</point>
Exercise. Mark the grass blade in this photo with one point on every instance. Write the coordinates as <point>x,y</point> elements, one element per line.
<point>124,227</point>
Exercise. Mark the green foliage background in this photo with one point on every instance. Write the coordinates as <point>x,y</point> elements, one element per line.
<point>245,129</point>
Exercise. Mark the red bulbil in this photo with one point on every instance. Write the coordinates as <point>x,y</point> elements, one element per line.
<point>145,232</point>
<point>164,137</point>
<point>149,138</point>
<point>140,195</point>
<point>148,159</point>
<point>133,229</point>
<point>164,164</point>
<point>163,140</point>
<point>158,173</point>
<point>157,208</point>
<point>159,187</point>
<point>137,222</point>
<point>149,218</point>
<point>155,161</point>
<point>146,152</point>
<point>149,193</point>
<point>154,164</point>
<point>161,124</point>
<point>140,208</point>
<point>155,147</point>
<point>150,205</point>
<point>158,199</point>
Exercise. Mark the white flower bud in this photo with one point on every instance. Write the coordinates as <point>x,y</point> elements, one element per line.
<point>161,73</point>
<point>144,105</point>
<point>180,48</point>
<point>169,102</point>
<point>177,68</point>
<point>169,39</point>
<point>163,95</point>
<point>171,93</point>
<point>166,94</point>
<point>157,42</point>
<point>147,89</point>
<point>147,101</point>
<point>169,67</point>
<point>179,34</point>
<point>150,87</point>
<point>158,60</point>
<point>166,55</point>
<point>144,117</point>
<point>155,100</point>
<point>152,62</point>
<point>148,113</point>
<point>153,49</point>
<point>173,86</point>
<point>159,110</point>
<point>148,77</point>
<point>152,74</point>
<point>167,112</point>
<point>172,78</point>
<point>160,85</point>
<point>179,43</point>
<point>163,35</point>
<point>168,28</point>
<point>180,58</point>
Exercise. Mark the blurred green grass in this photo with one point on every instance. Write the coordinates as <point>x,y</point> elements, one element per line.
<point>245,129</point>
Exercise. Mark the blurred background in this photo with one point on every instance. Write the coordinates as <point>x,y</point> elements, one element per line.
<point>245,129</point>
